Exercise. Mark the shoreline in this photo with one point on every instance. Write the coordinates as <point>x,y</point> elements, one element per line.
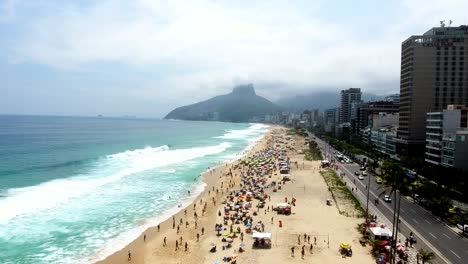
<point>209,179</point>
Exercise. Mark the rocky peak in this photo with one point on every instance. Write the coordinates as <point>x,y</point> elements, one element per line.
<point>247,89</point>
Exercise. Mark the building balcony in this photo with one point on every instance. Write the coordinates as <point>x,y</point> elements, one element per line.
<point>432,161</point>
<point>432,155</point>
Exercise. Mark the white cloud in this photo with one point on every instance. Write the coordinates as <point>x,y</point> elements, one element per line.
<point>222,44</point>
<point>8,10</point>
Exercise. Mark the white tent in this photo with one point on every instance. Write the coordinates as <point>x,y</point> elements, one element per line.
<point>283,205</point>
<point>258,235</point>
<point>380,232</point>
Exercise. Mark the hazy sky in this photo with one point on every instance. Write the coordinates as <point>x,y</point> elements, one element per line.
<point>142,57</point>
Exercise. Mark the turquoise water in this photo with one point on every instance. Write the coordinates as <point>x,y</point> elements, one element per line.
<point>74,190</point>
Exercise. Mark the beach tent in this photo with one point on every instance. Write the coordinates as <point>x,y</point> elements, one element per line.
<point>261,240</point>
<point>259,235</point>
<point>283,205</point>
<point>380,233</point>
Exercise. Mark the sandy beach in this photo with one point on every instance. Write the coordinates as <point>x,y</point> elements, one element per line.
<point>194,226</point>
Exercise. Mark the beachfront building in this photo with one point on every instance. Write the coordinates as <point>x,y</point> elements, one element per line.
<point>366,111</point>
<point>441,135</point>
<point>331,119</point>
<point>348,98</point>
<point>383,141</point>
<point>433,74</point>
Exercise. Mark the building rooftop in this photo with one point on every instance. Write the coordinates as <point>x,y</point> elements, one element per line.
<point>447,31</point>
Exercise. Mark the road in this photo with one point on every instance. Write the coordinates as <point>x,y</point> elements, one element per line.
<point>431,233</point>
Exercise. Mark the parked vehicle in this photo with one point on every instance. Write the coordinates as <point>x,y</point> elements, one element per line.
<point>387,198</point>
<point>364,173</point>
<point>360,177</point>
<point>378,180</point>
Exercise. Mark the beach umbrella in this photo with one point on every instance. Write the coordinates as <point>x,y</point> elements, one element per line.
<point>345,245</point>
<point>242,245</point>
<point>384,243</point>
<point>248,224</point>
<point>219,229</point>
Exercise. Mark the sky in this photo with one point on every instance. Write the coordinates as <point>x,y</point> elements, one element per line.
<point>144,58</point>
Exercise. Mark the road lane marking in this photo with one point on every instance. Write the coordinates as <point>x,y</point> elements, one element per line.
<point>432,235</point>
<point>446,236</point>
<point>427,221</point>
<point>436,251</point>
<point>415,221</point>
<point>455,254</point>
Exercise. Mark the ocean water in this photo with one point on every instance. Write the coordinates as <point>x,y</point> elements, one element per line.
<point>74,190</point>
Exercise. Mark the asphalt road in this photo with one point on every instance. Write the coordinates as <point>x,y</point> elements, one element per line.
<point>431,233</point>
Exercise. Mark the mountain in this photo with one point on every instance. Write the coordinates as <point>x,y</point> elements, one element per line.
<point>319,100</point>
<point>241,105</point>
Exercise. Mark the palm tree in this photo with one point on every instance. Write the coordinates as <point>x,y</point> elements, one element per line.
<point>426,256</point>
<point>394,177</point>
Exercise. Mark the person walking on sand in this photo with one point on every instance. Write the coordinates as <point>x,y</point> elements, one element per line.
<point>176,245</point>
<point>202,230</point>
<point>308,239</point>
<point>198,237</point>
<point>315,240</point>
<point>178,229</point>
<point>299,239</point>
<point>129,256</point>
<point>292,251</point>
<point>311,248</point>
<point>164,242</point>
<point>303,252</point>
<point>186,246</point>
<point>144,237</point>
<point>158,228</point>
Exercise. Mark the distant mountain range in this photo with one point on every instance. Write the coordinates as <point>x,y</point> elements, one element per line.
<point>319,100</point>
<point>241,105</point>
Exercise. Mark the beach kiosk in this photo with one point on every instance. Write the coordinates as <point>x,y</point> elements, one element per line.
<point>283,208</point>
<point>380,233</point>
<point>261,240</point>
<point>325,163</point>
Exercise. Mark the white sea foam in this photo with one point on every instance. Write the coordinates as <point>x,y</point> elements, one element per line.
<point>29,200</point>
<point>244,133</point>
<point>126,238</point>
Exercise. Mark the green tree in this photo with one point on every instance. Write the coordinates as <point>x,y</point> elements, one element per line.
<point>395,179</point>
<point>426,256</point>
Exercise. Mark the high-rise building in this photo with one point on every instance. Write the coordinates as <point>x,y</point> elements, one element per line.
<point>434,74</point>
<point>441,133</point>
<point>349,97</point>
<point>367,110</point>
<point>331,119</point>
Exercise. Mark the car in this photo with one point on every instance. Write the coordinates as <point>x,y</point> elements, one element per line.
<point>364,173</point>
<point>356,173</point>
<point>363,168</point>
<point>387,198</point>
<point>360,177</point>
<point>378,180</point>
